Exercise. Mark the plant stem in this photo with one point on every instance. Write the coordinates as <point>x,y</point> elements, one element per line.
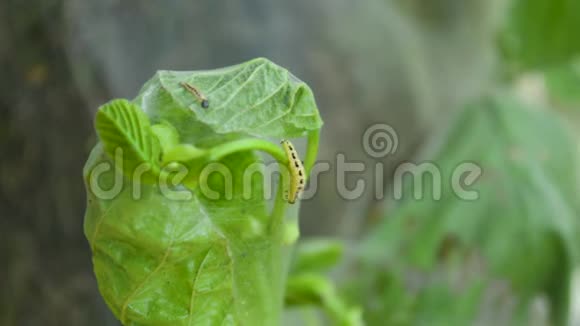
<point>248,144</point>
<point>311,150</point>
<point>221,151</point>
<point>279,209</point>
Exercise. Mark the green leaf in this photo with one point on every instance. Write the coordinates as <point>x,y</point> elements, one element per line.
<point>167,135</point>
<point>314,255</point>
<point>257,98</point>
<point>313,289</point>
<point>126,133</point>
<point>541,33</point>
<point>209,253</point>
<point>161,260</point>
<point>563,83</point>
<point>525,218</point>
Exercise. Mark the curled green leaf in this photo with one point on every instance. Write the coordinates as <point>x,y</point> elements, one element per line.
<point>126,133</point>
<point>257,98</point>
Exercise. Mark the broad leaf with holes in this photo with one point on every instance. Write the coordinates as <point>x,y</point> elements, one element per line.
<point>213,254</point>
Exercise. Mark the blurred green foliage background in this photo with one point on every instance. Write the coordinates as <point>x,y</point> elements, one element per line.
<point>494,82</point>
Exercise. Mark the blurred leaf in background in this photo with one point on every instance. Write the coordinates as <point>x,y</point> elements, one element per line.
<point>522,228</point>
<point>506,257</point>
<point>540,33</point>
<point>308,286</point>
<point>563,84</point>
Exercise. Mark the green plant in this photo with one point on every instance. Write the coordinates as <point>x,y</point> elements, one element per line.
<point>214,254</point>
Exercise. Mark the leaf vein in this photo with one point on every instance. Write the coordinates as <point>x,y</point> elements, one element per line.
<point>269,96</point>
<point>138,287</point>
<point>242,86</point>
<point>229,81</point>
<point>193,292</point>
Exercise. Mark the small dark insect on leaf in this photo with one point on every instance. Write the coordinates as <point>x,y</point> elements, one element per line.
<point>195,92</point>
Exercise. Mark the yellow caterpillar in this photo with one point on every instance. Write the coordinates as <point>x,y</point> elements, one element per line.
<point>297,174</point>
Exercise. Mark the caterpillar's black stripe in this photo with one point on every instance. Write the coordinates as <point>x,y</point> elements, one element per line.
<point>296,172</point>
